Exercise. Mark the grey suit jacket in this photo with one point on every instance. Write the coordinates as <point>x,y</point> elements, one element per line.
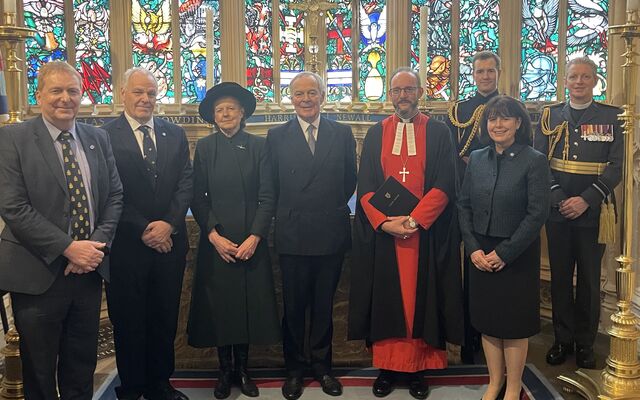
<point>510,203</point>
<point>34,203</point>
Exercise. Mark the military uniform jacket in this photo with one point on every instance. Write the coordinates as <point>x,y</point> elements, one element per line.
<point>596,138</point>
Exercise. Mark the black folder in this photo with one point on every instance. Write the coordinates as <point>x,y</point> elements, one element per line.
<point>393,199</point>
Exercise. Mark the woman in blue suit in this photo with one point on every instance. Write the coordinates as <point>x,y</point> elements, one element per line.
<point>504,202</point>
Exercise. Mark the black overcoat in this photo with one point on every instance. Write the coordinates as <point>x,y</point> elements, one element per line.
<point>375,309</point>
<point>233,303</point>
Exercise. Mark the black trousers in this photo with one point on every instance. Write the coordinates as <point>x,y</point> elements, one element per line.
<point>143,298</point>
<point>575,319</point>
<point>308,282</point>
<point>59,335</point>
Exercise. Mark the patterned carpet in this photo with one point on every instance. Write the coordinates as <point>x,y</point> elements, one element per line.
<point>454,383</point>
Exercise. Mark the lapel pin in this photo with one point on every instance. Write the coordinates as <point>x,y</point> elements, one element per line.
<point>164,133</point>
<point>92,147</point>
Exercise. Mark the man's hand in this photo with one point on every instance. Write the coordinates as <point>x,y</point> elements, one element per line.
<point>395,226</point>
<point>84,254</point>
<point>157,234</point>
<point>573,207</point>
<point>164,247</point>
<point>226,248</point>
<point>248,247</point>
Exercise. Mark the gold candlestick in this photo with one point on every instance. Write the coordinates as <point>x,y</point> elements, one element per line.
<point>14,36</point>
<point>621,377</point>
<point>313,10</point>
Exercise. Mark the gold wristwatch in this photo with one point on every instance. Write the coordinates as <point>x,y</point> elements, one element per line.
<point>412,223</point>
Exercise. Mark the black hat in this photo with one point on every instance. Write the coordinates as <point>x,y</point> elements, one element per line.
<point>226,89</point>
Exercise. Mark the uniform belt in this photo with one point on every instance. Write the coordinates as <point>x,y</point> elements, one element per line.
<point>577,167</point>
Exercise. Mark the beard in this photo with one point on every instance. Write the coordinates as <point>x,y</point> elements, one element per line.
<point>406,113</point>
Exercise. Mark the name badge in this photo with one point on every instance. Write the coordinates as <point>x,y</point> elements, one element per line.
<point>597,132</point>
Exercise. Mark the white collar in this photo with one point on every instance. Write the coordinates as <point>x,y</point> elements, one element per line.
<point>135,125</point>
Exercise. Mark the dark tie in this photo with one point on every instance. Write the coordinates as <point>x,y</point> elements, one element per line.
<point>80,224</point>
<point>311,140</point>
<point>149,152</point>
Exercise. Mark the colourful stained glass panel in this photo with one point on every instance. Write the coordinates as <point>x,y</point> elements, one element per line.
<point>291,46</point>
<point>437,85</point>
<point>372,53</point>
<point>151,32</point>
<point>478,31</point>
<point>93,54</point>
<point>259,47</point>
<point>539,68</point>
<point>49,43</point>
<point>194,40</point>
<point>588,23</point>
<point>339,60</point>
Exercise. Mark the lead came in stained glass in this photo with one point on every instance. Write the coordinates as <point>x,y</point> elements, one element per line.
<point>259,49</point>
<point>478,31</point>
<point>151,31</point>
<point>193,47</point>
<point>291,47</point>
<point>93,56</point>
<point>437,85</point>
<point>49,42</point>
<point>539,68</point>
<point>339,59</point>
<point>587,26</point>
<point>372,53</point>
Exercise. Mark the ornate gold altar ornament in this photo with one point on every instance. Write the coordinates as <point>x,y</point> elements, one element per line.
<point>475,120</point>
<point>313,10</point>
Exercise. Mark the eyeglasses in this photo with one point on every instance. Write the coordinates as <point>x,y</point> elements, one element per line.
<point>408,90</point>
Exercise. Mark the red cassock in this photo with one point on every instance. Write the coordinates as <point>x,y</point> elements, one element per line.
<point>407,354</point>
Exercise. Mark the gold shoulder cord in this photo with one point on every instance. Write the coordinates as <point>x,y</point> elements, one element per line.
<point>475,120</point>
<point>555,133</point>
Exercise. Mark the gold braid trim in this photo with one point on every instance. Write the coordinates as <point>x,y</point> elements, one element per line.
<point>554,134</point>
<point>475,120</point>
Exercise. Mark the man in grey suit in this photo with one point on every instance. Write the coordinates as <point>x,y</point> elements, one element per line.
<point>61,199</point>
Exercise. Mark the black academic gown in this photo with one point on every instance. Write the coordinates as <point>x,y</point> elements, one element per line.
<point>375,301</point>
<point>233,303</point>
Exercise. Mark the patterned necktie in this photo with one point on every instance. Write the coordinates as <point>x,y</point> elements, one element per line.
<point>149,152</point>
<point>311,139</point>
<point>80,224</point>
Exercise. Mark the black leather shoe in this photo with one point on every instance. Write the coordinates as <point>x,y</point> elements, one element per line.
<point>247,386</point>
<point>164,392</point>
<point>330,385</point>
<point>585,357</point>
<point>223,388</point>
<point>558,353</point>
<point>383,384</point>
<point>292,388</point>
<point>418,387</point>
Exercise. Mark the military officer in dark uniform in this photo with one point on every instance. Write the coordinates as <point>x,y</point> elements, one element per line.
<point>464,124</point>
<point>584,143</point>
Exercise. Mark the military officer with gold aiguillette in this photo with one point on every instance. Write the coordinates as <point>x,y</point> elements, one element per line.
<point>584,142</point>
<point>464,124</point>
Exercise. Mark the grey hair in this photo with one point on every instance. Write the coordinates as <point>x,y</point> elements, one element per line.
<point>53,67</point>
<point>405,69</point>
<point>584,61</point>
<point>128,73</point>
<point>485,55</point>
<point>318,78</point>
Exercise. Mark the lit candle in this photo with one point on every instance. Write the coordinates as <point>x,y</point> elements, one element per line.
<point>10,6</point>
<point>633,5</point>
<point>424,40</point>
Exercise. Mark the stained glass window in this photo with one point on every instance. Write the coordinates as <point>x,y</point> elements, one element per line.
<point>194,40</point>
<point>151,32</point>
<point>478,31</point>
<point>291,47</point>
<point>93,55</point>
<point>372,53</point>
<point>259,49</point>
<point>437,85</point>
<point>539,68</point>
<point>339,60</point>
<point>587,27</point>
<point>49,43</point>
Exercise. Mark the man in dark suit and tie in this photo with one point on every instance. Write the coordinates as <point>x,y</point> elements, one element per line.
<point>61,199</point>
<point>149,252</point>
<point>315,176</point>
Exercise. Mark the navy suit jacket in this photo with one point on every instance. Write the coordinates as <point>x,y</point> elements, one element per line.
<point>34,203</point>
<point>312,215</point>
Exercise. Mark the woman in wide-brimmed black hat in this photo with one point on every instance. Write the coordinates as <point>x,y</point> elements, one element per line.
<point>233,299</point>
